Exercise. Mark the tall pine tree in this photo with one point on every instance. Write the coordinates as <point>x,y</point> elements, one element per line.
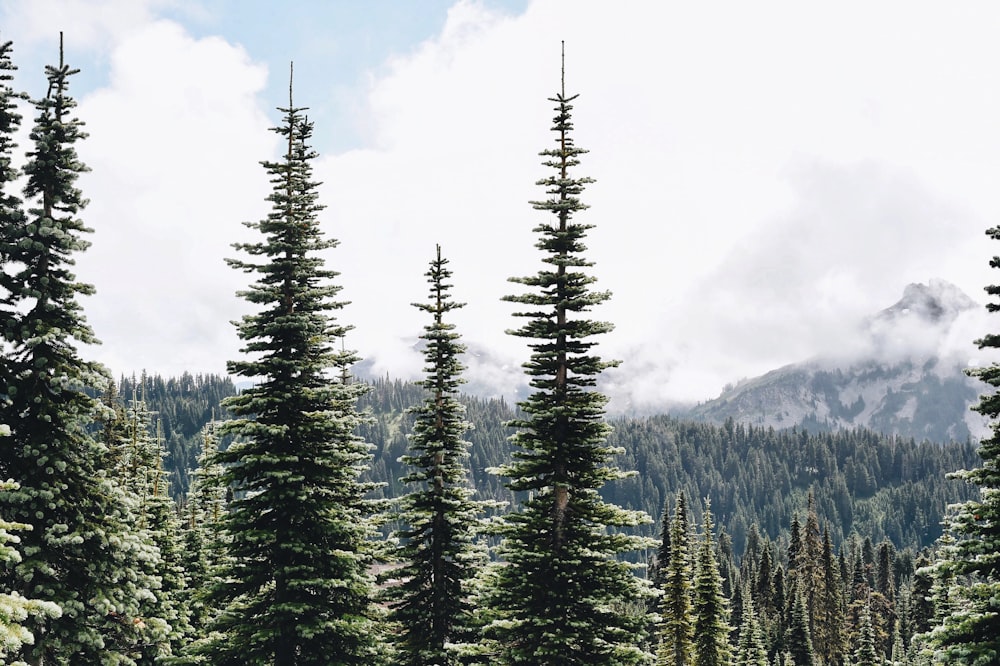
<point>557,594</point>
<point>677,630</point>
<point>431,603</point>
<point>970,633</point>
<point>299,589</point>
<point>14,608</point>
<point>711,608</point>
<point>81,554</point>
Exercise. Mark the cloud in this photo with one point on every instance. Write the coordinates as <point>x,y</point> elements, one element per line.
<point>89,24</point>
<point>766,175</point>
<point>174,148</point>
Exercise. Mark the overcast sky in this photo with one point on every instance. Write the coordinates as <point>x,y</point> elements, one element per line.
<point>767,173</point>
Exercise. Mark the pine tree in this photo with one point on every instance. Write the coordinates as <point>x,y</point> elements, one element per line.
<point>970,632</point>
<point>299,588</point>
<point>81,554</point>
<point>711,608</point>
<point>431,603</point>
<point>15,609</point>
<point>866,653</point>
<point>11,213</point>
<point>677,631</point>
<point>750,651</point>
<point>662,549</point>
<point>798,640</point>
<point>205,549</point>
<point>557,594</point>
<point>165,616</point>
<point>829,625</point>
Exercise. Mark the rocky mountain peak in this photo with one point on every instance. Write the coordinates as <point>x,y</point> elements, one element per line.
<point>938,301</point>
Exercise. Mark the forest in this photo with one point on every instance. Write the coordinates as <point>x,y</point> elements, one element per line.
<point>316,518</point>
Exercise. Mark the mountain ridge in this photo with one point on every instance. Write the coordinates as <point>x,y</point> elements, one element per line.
<point>906,376</point>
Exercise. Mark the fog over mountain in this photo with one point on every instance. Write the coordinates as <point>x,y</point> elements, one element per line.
<point>900,371</point>
<point>904,373</point>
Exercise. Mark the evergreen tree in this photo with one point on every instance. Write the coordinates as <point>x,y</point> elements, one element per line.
<point>866,653</point>
<point>798,640</point>
<point>750,651</point>
<point>557,594</point>
<point>166,617</point>
<point>711,608</point>
<point>11,213</point>
<point>299,588</point>
<point>205,549</point>
<point>677,632</point>
<point>81,554</point>
<point>659,568</point>
<point>431,603</point>
<point>970,632</point>
<point>829,626</point>
<point>15,609</point>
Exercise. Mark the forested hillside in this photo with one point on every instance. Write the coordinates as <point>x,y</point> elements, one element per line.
<point>181,406</point>
<point>878,486</point>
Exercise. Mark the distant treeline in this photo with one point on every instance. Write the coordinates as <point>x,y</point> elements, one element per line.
<point>876,486</point>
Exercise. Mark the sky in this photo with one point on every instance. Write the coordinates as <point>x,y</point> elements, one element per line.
<point>767,174</point>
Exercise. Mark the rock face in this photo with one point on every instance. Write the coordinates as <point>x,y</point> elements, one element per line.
<point>906,377</point>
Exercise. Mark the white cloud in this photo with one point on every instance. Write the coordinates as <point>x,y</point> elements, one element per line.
<point>175,140</point>
<point>767,173</point>
<point>89,24</point>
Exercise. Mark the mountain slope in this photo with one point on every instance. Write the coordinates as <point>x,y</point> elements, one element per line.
<point>906,377</point>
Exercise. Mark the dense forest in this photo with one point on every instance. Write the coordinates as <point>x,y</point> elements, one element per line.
<point>312,518</point>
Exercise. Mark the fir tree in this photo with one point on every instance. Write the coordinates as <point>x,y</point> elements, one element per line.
<point>711,608</point>
<point>298,590</point>
<point>11,213</point>
<point>677,631</point>
<point>866,653</point>
<point>81,554</point>
<point>165,616</point>
<point>15,609</point>
<point>557,594</point>
<point>204,557</point>
<point>970,631</point>
<point>798,641</point>
<point>750,650</point>
<point>431,603</point>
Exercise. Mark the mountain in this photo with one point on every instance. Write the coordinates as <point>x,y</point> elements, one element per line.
<point>904,375</point>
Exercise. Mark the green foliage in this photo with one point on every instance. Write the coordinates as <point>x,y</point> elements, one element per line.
<point>970,632</point>
<point>298,589</point>
<point>82,553</point>
<point>181,406</point>
<point>555,598</point>
<point>677,629</point>
<point>430,594</point>
<point>711,607</point>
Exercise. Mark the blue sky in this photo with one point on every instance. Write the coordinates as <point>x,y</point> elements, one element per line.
<point>767,174</point>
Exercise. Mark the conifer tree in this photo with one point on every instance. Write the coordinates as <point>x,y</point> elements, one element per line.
<point>299,587</point>
<point>798,640</point>
<point>662,549</point>
<point>14,608</point>
<point>165,616</point>
<point>711,608</point>
<point>866,654</point>
<point>11,212</point>
<point>81,554</point>
<point>970,631</point>
<point>204,556</point>
<point>556,597</point>
<point>431,603</point>
<point>677,632</point>
<point>828,637</point>
<point>750,650</point>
